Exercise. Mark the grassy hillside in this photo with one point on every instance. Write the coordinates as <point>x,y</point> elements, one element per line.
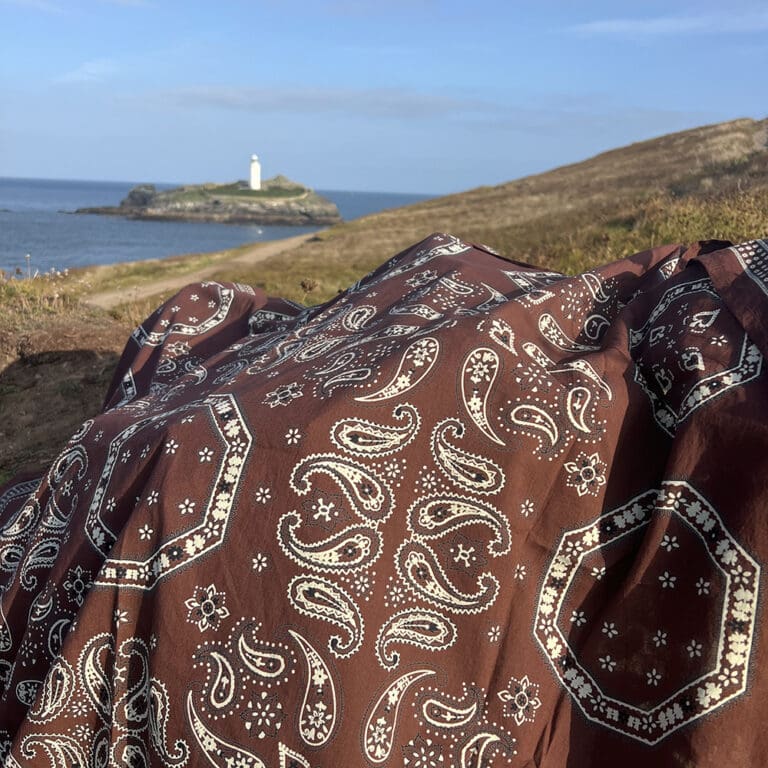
<point>57,353</point>
<point>703,183</point>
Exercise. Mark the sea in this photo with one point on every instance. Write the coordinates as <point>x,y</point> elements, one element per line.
<point>37,219</point>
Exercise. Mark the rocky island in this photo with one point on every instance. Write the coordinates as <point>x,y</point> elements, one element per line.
<point>278,201</point>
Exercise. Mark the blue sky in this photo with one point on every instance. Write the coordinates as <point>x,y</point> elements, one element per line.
<point>425,96</point>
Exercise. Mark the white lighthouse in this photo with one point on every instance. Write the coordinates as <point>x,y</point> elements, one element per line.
<point>255,180</point>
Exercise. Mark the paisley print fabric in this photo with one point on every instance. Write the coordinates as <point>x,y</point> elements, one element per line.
<point>467,514</point>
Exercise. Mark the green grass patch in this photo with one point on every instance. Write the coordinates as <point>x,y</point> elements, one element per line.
<point>260,194</point>
<point>233,191</point>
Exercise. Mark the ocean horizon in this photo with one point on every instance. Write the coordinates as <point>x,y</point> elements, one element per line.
<point>37,218</point>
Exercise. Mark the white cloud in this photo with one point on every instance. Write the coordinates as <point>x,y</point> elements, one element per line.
<point>545,118</point>
<point>372,102</point>
<point>664,26</point>
<point>94,71</point>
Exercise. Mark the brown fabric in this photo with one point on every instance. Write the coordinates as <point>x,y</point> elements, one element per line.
<point>469,513</point>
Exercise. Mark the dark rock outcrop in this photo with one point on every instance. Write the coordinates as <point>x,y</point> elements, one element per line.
<point>279,202</point>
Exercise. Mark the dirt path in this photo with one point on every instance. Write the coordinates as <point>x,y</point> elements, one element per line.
<point>144,290</point>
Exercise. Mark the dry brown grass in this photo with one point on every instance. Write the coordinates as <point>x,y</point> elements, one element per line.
<point>567,242</point>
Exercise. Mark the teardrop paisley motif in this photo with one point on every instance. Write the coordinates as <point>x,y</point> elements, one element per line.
<point>537,354</point>
<point>10,557</point>
<point>321,599</point>
<point>166,367</point>
<point>53,695</point>
<point>26,691</point>
<point>265,664</point>
<point>223,680</point>
<point>495,297</point>
<point>131,709</point>
<point>317,719</point>
<point>220,753</point>
<point>100,749</point>
<point>159,716</point>
<point>474,752</point>
<point>345,379</point>
<point>468,470</point>
<point>550,329</point>
<point>419,310</point>
<point>366,438</point>
<point>98,656</point>
<point>379,730</point>
<point>432,517</point>
<point>62,751</point>
<point>317,348</point>
<point>478,375</point>
<point>423,628</point>
<point>338,363</point>
<point>537,423</point>
<point>82,432</point>
<point>55,519</point>
<point>6,640</point>
<point>356,318</point>
<point>66,460</point>
<point>281,350</point>
<point>369,497</point>
<point>41,556</point>
<point>42,605</point>
<point>443,715</point>
<point>23,522</point>
<point>132,750</point>
<point>595,286</point>
<point>419,567</point>
<point>586,369</point>
<point>454,285</point>
<point>577,404</point>
<point>417,361</point>
<point>355,547</point>
<point>595,326</point>
<point>56,635</point>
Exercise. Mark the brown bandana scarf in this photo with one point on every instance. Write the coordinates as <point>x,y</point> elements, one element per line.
<point>467,514</point>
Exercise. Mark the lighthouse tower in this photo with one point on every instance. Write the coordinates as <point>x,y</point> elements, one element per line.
<point>255,179</point>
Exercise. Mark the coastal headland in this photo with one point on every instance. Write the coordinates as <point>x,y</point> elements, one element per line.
<point>280,201</point>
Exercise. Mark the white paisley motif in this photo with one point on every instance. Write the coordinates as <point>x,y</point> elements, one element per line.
<point>415,365</point>
<point>366,438</point>
<point>220,753</point>
<point>319,708</point>
<point>379,729</point>
<point>426,629</point>
<point>478,375</point>
<point>471,472</point>
<point>323,599</point>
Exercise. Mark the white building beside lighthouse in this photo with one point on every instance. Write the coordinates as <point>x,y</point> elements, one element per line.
<point>255,178</point>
